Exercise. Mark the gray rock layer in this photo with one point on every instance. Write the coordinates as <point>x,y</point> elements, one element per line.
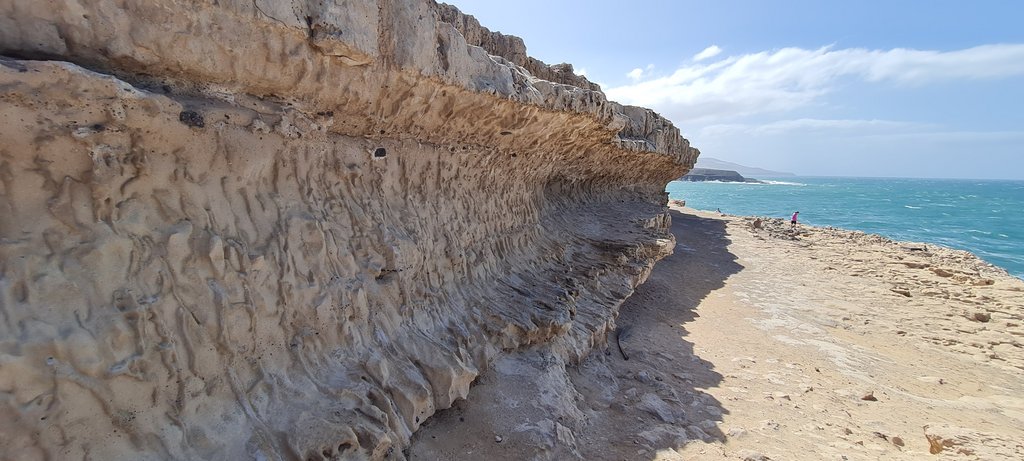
<point>295,230</point>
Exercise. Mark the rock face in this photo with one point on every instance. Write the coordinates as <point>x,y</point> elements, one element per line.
<point>295,230</point>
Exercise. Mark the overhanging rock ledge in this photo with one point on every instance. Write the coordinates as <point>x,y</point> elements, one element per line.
<point>296,229</point>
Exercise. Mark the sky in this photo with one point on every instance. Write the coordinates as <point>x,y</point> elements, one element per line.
<point>858,88</point>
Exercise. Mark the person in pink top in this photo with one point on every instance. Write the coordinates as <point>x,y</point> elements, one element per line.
<point>792,222</point>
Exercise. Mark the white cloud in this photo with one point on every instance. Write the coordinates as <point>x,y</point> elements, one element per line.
<point>708,52</point>
<point>806,126</point>
<point>638,74</point>
<point>581,72</point>
<point>879,148</point>
<point>950,136</point>
<point>841,130</point>
<point>785,79</point>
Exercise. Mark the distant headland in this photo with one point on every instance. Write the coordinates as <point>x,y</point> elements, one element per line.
<point>708,174</point>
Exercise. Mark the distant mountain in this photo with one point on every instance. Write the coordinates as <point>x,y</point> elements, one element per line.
<point>748,171</point>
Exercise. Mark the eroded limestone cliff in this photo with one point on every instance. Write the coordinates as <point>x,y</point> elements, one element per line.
<point>296,229</point>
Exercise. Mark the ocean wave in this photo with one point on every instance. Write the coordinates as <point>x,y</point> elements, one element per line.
<point>873,205</point>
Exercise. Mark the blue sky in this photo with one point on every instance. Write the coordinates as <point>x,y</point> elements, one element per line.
<point>859,88</point>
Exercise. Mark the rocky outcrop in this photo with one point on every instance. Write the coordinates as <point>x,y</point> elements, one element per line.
<point>295,230</point>
<point>708,174</point>
<point>511,48</point>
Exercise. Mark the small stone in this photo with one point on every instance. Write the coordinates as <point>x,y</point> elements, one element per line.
<point>896,440</point>
<point>982,316</point>
<point>901,291</point>
<point>191,118</point>
<point>870,397</point>
<point>737,432</point>
<point>498,438</point>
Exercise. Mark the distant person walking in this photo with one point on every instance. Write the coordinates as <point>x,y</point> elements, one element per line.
<point>792,222</point>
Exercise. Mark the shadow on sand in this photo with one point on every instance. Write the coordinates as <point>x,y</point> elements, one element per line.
<point>660,403</point>
<point>529,405</point>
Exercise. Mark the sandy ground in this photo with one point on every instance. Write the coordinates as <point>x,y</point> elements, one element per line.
<point>755,341</point>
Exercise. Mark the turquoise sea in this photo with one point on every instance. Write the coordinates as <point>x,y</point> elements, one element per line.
<point>984,217</point>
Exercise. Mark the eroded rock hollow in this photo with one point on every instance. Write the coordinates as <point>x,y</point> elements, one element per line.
<point>296,229</point>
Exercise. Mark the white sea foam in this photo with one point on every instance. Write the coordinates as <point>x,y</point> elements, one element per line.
<point>948,209</point>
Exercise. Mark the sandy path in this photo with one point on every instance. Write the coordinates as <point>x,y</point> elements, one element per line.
<point>771,344</point>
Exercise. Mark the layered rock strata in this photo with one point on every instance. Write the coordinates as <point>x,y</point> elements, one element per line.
<point>295,230</point>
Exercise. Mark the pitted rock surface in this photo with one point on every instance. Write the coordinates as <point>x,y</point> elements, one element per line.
<point>296,230</point>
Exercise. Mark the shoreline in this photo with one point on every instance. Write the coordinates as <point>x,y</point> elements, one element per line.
<point>844,229</point>
<point>924,246</point>
<point>770,344</point>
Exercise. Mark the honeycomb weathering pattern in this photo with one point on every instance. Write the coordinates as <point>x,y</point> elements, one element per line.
<point>295,230</point>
